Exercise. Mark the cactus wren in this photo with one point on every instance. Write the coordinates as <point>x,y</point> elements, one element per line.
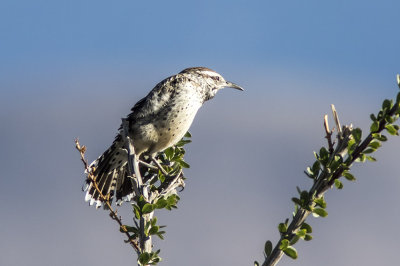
<point>157,121</point>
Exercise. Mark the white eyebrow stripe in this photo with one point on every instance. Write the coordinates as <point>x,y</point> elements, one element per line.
<point>210,73</point>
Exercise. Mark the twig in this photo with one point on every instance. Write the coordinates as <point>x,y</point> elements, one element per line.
<point>159,166</point>
<point>166,187</point>
<point>148,165</point>
<point>337,122</point>
<point>104,199</point>
<point>328,136</point>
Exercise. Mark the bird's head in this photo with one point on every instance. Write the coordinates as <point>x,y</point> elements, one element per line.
<point>209,80</point>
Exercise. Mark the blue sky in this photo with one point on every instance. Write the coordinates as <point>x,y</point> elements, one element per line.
<point>74,68</point>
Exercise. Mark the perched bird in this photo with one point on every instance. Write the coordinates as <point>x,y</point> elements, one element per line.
<point>157,121</point>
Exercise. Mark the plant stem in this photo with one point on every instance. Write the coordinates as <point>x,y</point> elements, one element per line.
<point>140,188</point>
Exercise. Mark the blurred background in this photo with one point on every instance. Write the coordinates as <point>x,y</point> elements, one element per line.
<point>73,68</point>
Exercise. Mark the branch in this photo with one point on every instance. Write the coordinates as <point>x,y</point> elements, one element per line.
<point>326,171</point>
<point>140,188</point>
<point>105,199</point>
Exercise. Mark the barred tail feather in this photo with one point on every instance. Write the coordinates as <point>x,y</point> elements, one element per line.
<point>110,173</point>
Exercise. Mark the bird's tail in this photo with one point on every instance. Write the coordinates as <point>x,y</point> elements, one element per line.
<point>110,174</point>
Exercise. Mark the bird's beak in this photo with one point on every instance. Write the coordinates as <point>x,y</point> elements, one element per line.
<point>233,85</point>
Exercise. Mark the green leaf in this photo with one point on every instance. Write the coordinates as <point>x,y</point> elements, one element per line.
<point>161,177</point>
<point>357,133</point>
<point>297,201</point>
<point>308,237</point>
<point>307,227</point>
<point>370,150</point>
<point>316,167</point>
<point>141,202</point>
<point>169,152</point>
<point>323,154</point>
<point>320,202</point>
<point>256,263</point>
<point>391,129</point>
<point>370,158</point>
<point>361,158</point>
<point>161,203</point>
<point>291,252</point>
<point>373,117</point>
<point>160,234</point>
<point>188,135</point>
<point>374,126</point>
<point>351,145</point>
<point>320,212</point>
<point>301,233</point>
<point>137,211</point>
<point>338,184</point>
<point>390,119</point>
<point>349,176</point>
<point>144,258</point>
<point>172,200</point>
<point>380,137</point>
<point>284,244</point>
<point>294,240</point>
<point>268,248</point>
<point>154,230</point>
<point>387,104</point>
<point>304,196</point>
<point>375,144</point>
<point>282,228</point>
<point>147,208</point>
<point>183,142</point>
<point>184,164</point>
<point>336,163</point>
<point>154,258</point>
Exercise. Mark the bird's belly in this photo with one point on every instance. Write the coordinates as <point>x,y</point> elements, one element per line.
<point>174,127</point>
<point>165,130</point>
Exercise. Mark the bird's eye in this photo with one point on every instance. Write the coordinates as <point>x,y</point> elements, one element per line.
<point>217,78</point>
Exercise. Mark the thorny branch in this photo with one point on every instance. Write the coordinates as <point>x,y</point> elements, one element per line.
<point>326,179</point>
<point>105,199</point>
<point>318,189</point>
